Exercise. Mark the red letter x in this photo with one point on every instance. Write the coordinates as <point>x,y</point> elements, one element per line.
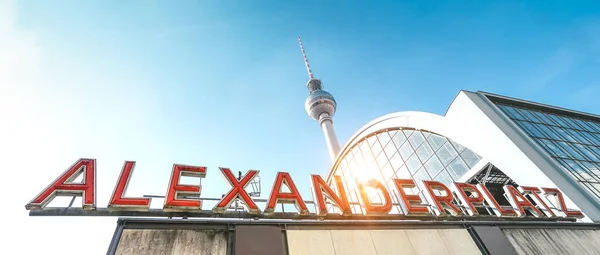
<point>237,192</point>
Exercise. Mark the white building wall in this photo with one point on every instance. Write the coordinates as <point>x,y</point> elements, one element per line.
<point>487,132</point>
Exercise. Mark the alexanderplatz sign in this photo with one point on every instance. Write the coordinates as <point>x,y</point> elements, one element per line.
<point>438,201</point>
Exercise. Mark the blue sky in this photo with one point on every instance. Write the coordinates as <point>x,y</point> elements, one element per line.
<point>222,83</point>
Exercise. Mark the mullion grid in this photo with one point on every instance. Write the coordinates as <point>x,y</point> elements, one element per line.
<point>569,139</point>
<point>579,142</point>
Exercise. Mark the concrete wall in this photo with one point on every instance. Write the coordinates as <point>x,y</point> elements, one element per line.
<point>554,241</point>
<point>171,242</point>
<point>381,242</point>
<point>159,236</point>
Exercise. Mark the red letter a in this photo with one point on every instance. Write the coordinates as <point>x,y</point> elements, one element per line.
<point>64,186</point>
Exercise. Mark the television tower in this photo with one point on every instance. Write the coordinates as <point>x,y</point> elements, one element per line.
<point>320,106</point>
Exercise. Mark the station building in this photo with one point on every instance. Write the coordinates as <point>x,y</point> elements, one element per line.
<point>482,139</point>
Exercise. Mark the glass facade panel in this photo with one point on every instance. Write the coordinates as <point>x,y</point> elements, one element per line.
<point>424,152</point>
<point>404,154</point>
<point>571,141</point>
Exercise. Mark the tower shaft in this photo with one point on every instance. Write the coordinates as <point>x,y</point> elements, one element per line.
<point>333,146</point>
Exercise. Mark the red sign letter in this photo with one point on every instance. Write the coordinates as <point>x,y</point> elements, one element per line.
<point>64,186</point>
<point>468,201</point>
<point>518,201</point>
<point>491,201</point>
<point>117,200</point>
<point>371,209</point>
<point>411,204</point>
<point>440,202</point>
<point>560,201</point>
<point>237,192</point>
<point>532,192</point>
<point>176,194</point>
<point>322,190</point>
<point>292,197</point>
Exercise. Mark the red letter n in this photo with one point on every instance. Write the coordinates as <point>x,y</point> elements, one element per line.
<point>322,190</point>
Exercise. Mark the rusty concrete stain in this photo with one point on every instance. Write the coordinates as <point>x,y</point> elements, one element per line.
<point>554,241</point>
<point>171,242</point>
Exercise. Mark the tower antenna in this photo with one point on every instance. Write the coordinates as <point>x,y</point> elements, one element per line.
<point>310,74</point>
<point>320,106</point>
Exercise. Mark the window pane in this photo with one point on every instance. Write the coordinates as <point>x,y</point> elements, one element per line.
<point>458,167</point>
<point>593,126</point>
<point>376,148</point>
<point>364,147</point>
<point>413,163</point>
<point>399,139</point>
<point>424,152</point>
<point>459,148</point>
<point>584,125</point>
<point>578,136</point>
<point>470,157</point>
<point>447,153</point>
<point>513,113</point>
<point>416,139</point>
<point>390,149</point>
<point>444,178</point>
<point>555,149</point>
<point>396,161</point>
<point>433,166</point>
<point>531,130</point>
<point>405,151</point>
<point>403,173</point>
<point>543,118</point>
<point>569,122</point>
<point>436,141</point>
<point>593,139</point>
<point>529,116</point>
<point>384,138</point>
<point>558,120</point>
<point>421,175</point>
<point>571,152</point>
<point>548,132</point>
<point>382,159</point>
<point>387,172</point>
<point>587,153</point>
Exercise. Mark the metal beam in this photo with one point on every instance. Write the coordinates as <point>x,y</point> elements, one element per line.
<point>168,223</point>
<point>104,212</point>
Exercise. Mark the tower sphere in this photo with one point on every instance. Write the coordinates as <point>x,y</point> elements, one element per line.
<point>319,102</point>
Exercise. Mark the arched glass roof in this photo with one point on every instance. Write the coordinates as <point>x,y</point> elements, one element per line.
<point>402,153</point>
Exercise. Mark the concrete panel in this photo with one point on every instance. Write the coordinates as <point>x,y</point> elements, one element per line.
<point>256,239</point>
<point>426,241</point>
<point>382,242</point>
<point>391,242</point>
<point>352,242</point>
<point>554,241</point>
<point>459,241</point>
<point>494,240</point>
<point>309,242</point>
<point>171,242</point>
